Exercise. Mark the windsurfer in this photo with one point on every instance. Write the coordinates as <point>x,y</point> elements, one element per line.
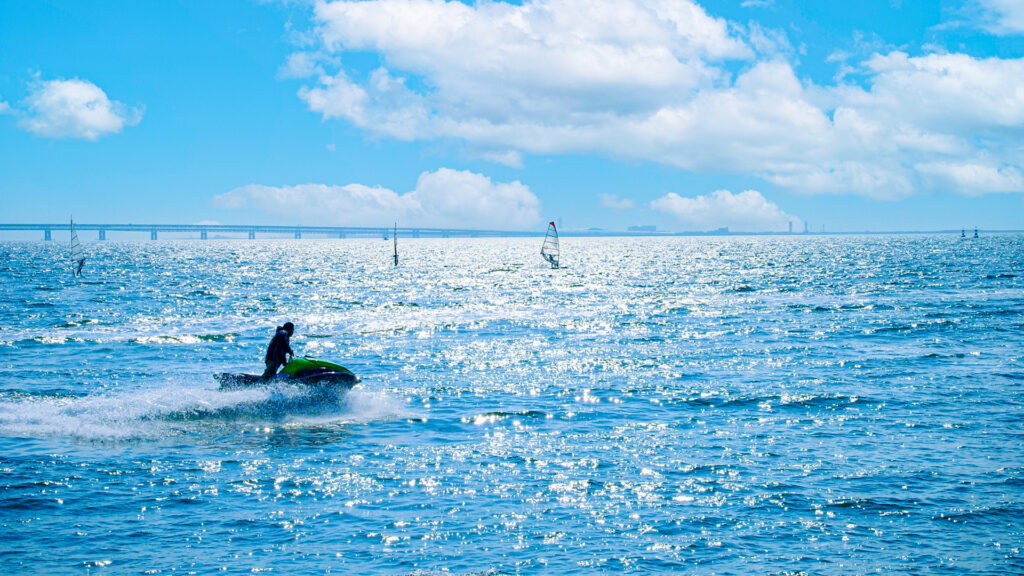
<point>279,347</point>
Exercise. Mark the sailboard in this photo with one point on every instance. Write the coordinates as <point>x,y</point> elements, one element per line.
<point>395,236</point>
<point>550,248</point>
<point>77,253</point>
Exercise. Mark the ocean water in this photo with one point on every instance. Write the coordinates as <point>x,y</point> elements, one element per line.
<point>737,405</point>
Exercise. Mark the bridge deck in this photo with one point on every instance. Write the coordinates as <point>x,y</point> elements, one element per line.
<point>251,230</point>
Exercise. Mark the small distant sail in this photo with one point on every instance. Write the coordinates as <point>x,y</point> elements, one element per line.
<point>395,236</point>
<point>550,248</point>
<point>77,253</point>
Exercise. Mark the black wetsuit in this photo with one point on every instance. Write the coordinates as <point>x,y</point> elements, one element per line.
<point>277,352</point>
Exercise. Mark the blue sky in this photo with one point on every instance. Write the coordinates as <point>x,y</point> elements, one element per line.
<point>874,115</point>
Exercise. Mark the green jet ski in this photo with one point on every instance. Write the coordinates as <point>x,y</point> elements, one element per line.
<point>304,371</point>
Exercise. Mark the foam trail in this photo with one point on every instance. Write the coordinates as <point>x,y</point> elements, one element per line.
<point>364,405</point>
<point>136,414</point>
<point>154,413</point>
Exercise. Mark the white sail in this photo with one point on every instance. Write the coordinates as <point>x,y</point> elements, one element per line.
<point>395,236</point>
<point>550,248</point>
<point>77,253</point>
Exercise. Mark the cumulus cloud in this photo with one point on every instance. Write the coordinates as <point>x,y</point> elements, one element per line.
<point>949,93</point>
<point>75,109</point>
<point>494,69</point>
<point>653,80</point>
<point>445,198</point>
<point>1003,16</point>
<point>614,202</point>
<point>5,108</point>
<point>746,211</point>
<point>975,178</point>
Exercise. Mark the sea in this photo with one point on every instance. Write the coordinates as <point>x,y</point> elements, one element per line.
<point>681,405</point>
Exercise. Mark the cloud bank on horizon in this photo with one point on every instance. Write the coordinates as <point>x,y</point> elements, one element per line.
<point>445,198</point>
<point>748,211</point>
<point>664,81</point>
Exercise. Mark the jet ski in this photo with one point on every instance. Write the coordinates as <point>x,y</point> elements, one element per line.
<point>302,371</point>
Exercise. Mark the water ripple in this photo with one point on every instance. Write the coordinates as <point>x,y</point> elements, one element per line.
<point>788,405</point>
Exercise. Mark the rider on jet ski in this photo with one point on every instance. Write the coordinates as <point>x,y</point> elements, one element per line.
<point>278,349</point>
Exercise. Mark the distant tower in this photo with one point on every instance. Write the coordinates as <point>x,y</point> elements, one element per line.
<point>790,226</point>
<point>807,227</point>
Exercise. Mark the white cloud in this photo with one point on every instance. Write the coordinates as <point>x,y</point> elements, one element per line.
<point>5,108</point>
<point>510,158</point>
<point>614,202</point>
<point>975,178</point>
<point>571,77</point>
<point>1003,16</point>
<point>769,42</point>
<point>951,93</point>
<point>494,66</point>
<point>75,109</point>
<point>747,211</point>
<point>301,65</point>
<point>445,198</point>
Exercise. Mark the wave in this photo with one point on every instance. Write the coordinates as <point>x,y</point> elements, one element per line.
<point>497,416</point>
<point>105,338</point>
<point>176,409</point>
<point>780,401</point>
<point>185,338</point>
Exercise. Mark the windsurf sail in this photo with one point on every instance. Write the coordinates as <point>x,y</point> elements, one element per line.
<point>550,248</point>
<point>77,253</point>
<point>395,236</point>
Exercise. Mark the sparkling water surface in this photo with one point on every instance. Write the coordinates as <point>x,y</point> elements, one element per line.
<point>736,405</point>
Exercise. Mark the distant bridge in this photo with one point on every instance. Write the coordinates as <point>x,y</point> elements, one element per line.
<point>204,230</point>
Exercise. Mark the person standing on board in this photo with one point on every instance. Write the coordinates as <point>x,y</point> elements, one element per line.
<point>279,347</point>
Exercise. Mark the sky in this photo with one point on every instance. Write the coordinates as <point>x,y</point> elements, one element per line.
<point>752,115</point>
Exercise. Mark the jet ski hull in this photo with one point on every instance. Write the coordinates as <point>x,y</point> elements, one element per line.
<point>300,371</point>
